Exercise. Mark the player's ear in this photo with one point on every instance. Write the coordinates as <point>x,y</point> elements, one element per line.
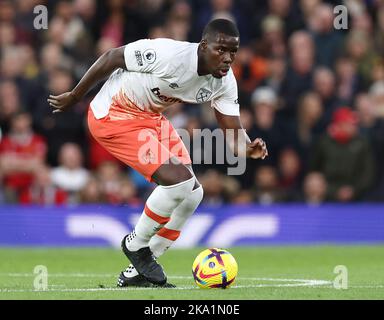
<point>204,44</point>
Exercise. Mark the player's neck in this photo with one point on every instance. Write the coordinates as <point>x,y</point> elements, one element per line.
<point>202,69</point>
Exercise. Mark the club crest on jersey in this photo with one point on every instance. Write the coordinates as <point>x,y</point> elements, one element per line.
<point>149,56</point>
<point>203,95</point>
<point>174,85</point>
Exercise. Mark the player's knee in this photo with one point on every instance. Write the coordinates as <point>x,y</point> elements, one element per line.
<point>184,175</point>
<point>182,189</point>
<point>198,194</point>
<point>170,174</point>
<point>195,199</point>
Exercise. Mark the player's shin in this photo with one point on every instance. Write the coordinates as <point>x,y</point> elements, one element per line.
<point>158,208</point>
<point>166,236</point>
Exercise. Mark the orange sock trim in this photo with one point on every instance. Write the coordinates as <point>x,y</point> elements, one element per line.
<point>154,216</point>
<point>169,233</point>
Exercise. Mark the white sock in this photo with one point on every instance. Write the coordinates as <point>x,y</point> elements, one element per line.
<point>161,241</point>
<point>158,208</point>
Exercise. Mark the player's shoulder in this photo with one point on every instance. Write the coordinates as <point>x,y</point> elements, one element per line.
<point>163,50</point>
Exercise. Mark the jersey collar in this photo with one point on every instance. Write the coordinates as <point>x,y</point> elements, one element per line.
<point>193,61</point>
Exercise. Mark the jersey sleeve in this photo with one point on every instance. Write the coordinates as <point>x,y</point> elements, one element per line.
<point>148,56</point>
<point>227,103</point>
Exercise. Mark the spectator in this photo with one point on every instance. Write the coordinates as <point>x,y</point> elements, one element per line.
<point>287,10</point>
<point>66,27</point>
<point>359,48</point>
<point>324,84</point>
<point>7,11</point>
<point>372,128</point>
<point>70,175</point>
<point>308,8</point>
<point>22,152</point>
<point>23,19</point>
<point>377,73</point>
<point>345,158</point>
<point>327,39</point>
<point>110,175</point>
<point>97,154</point>
<point>92,192</point>
<point>178,22</point>
<point>246,118</point>
<point>128,193</point>
<point>348,81</point>
<point>249,69</point>
<point>314,188</point>
<point>113,28</point>
<point>157,32</point>
<point>266,125</point>
<point>7,34</point>
<point>275,73</point>
<point>43,191</point>
<point>86,11</point>
<point>213,187</point>
<point>266,186</point>
<point>62,127</point>
<point>368,116</point>
<point>289,169</point>
<point>52,57</point>
<point>9,103</point>
<point>2,200</point>
<point>273,38</point>
<point>128,21</point>
<point>243,196</point>
<point>376,91</point>
<point>379,34</point>
<point>308,125</point>
<point>298,77</point>
<point>225,9</point>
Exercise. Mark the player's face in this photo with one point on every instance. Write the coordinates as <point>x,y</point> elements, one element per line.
<point>220,52</point>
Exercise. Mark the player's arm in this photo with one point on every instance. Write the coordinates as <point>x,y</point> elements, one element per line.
<point>102,68</point>
<point>237,137</point>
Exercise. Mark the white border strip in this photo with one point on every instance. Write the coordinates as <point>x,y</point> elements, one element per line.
<point>281,282</point>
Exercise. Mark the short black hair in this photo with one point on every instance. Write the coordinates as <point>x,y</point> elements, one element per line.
<point>224,26</point>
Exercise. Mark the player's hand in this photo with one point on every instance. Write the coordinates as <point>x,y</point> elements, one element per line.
<point>62,102</point>
<point>257,149</point>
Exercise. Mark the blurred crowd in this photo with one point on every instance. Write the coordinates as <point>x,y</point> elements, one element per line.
<point>314,93</point>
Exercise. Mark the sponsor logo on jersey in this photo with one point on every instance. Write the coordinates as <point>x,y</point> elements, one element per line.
<point>149,56</point>
<point>203,95</point>
<point>173,85</point>
<point>139,59</point>
<point>163,98</point>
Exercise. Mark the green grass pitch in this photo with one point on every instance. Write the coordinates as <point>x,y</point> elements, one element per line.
<point>264,273</point>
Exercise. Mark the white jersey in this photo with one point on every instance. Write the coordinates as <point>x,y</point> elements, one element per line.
<point>161,72</point>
